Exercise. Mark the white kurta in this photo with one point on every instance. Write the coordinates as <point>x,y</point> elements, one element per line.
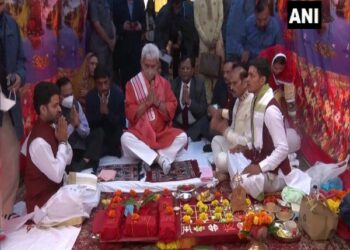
<point>266,181</point>
<point>43,158</point>
<point>239,133</point>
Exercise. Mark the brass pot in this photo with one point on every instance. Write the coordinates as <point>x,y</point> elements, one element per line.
<point>257,245</point>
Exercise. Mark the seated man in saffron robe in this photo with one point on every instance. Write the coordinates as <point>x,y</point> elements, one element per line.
<point>48,151</point>
<point>270,170</point>
<point>150,106</point>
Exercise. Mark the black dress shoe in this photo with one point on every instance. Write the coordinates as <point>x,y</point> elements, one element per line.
<point>207,148</point>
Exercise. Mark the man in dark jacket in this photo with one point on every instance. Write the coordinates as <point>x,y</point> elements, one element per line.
<point>12,75</point>
<point>175,23</point>
<point>105,109</point>
<point>129,19</point>
<point>191,113</point>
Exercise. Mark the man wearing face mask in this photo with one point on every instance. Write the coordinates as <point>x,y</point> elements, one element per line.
<point>86,146</point>
<point>150,109</point>
<point>260,31</point>
<point>48,151</point>
<point>12,75</point>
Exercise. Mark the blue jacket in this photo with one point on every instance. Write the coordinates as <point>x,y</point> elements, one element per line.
<point>14,63</point>
<point>240,10</point>
<point>116,116</point>
<point>254,40</point>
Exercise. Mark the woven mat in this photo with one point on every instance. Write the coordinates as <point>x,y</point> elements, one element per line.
<point>124,172</point>
<point>182,170</point>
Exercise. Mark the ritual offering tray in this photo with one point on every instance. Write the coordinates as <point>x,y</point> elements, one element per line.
<point>186,188</point>
<point>142,217</point>
<point>205,196</point>
<point>285,214</point>
<point>208,222</point>
<point>287,232</point>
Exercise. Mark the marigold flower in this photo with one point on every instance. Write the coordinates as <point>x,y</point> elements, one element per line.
<point>218,210</point>
<point>189,211</point>
<point>186,219</point>
<point>132,193</point>
<point>217,194</point>
<point>199,204</point>
<point>117,199</point>
<point>135,216</point>
<point>203,216</point>
<point>225,203</point>
<point>166,192</point>
<point>169,210</point>
<point>186,206</point>
<point>118,193</point>
<point>256,220</point>
<point>229,217</point>
<point>203,208</point>
<point>199,222</point>
<point>215,203</point>
<point>146,192</point>
<point>217,216</point>
<point>111,213</point>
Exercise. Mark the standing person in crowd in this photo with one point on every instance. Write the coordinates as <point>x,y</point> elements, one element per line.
<point>260,31</point>
<point>83,80</point>
<point>226,4</point>
<point>48,151</point>
<point>191,112</point>
<point>240,10</point>
<point>150,22</point>
<point>105,111</point>
<point>150,109</point>
<point>238,132</point>
<point>208,18</point>
<point>130,25</point>
<point>12,75</point>
<point>86,146</point>
<point>103,34</point>
<point>176,33</point>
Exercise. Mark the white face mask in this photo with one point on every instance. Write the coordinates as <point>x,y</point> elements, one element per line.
<point>6,103</point>
<point>67,102</point>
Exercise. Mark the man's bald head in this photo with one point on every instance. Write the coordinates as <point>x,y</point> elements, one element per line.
<point>238,81</point>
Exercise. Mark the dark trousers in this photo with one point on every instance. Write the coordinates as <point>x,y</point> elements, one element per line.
<point>111,141</point>
<point>197,130</point>
<point>93,151</point>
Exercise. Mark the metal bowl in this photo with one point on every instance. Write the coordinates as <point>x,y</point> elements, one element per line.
<point>186,188</point>
<point>185,197</point>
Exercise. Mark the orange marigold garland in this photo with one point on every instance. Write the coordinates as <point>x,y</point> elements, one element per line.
<point>135,216</point>
<point>166,192</point>
<point>169,210</point>
<point>132,193</point>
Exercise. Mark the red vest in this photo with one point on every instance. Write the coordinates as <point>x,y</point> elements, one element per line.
<point>268,147</point>
<point>39,188</point>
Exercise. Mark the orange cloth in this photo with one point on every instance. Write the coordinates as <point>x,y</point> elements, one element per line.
<point>159,133</point>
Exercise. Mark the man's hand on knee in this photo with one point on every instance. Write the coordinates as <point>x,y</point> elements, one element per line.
<point>252,169</point>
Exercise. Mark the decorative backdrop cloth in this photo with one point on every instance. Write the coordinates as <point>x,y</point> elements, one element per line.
<point>323,89</point>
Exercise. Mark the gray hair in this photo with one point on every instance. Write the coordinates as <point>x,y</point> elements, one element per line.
<point>150,51</point>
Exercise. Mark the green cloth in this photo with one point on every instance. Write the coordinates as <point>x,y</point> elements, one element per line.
<point>292,195</point>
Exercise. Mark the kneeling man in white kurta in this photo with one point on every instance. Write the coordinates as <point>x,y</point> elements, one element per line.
<point>270,170</point>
